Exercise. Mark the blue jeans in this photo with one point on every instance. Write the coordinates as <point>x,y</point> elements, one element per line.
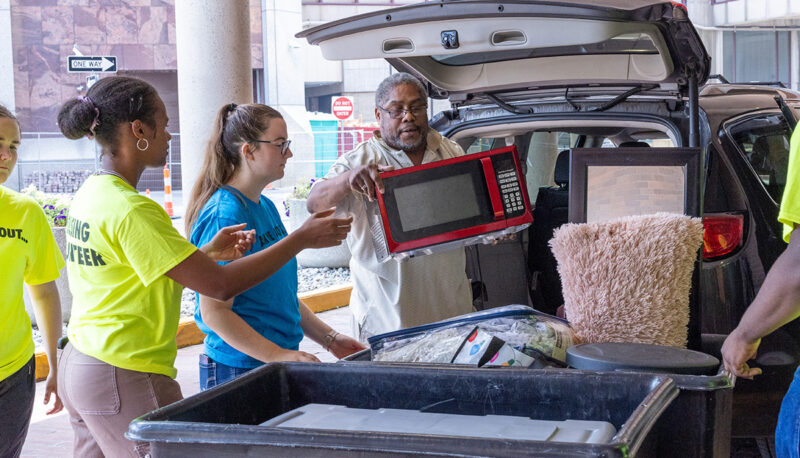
<point>16,404</point>
<point>787,434</point>
<point>213,373</point>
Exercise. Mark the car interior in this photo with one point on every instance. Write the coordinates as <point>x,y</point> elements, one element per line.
<point>765,144</point>
<point>523,270</point>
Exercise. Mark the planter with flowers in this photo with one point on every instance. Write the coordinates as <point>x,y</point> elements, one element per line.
<point>295,206</point>
<point>56,208</point>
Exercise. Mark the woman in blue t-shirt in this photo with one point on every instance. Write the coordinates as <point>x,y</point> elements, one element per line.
<point>247,151</point>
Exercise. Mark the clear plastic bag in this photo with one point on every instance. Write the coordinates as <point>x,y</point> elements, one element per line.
<point>543,337</point>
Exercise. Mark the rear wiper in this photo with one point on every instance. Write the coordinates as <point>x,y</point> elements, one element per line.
<point>611,103</point>
<point>506,106</point>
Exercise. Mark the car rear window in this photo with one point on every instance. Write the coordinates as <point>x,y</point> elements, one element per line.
<point>764,142</point>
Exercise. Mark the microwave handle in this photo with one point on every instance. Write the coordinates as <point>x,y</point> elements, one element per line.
<point>494,191</point>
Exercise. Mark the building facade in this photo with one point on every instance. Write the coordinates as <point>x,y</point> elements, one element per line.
<point>37,36</point>
<point>751,40</point>
<point>43,33</point>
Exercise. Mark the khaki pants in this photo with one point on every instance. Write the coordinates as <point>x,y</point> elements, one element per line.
<point>103,399</point>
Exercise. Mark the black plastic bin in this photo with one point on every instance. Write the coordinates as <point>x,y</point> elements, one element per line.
<point>697,424</point>
<point>224,421</point>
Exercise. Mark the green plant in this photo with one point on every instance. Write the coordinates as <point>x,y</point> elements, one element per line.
<point>300,191</point>
<point>55,206</point>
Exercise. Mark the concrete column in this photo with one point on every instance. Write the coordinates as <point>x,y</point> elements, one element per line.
<point>795,60</point>
<point>214,68</point>
<point>6,57</point>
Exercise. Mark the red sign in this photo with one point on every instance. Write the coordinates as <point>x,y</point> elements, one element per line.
<point>342,107</point>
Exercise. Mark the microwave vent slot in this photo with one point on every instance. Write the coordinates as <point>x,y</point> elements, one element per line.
<point>376,230</point>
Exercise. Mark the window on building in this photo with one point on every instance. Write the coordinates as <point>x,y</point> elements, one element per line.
<point>258,86</point>
<point>755,56</point>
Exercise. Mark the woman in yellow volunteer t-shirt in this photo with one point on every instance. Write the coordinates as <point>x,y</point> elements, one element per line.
<point>126,265</point>
<point>30,254</point>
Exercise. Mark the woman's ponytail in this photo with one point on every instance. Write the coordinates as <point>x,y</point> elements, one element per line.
<point>219,165</point>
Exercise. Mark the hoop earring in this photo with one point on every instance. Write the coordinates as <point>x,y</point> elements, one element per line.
<point>146,144</point>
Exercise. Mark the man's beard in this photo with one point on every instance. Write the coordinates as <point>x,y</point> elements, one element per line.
<point>420,144</point>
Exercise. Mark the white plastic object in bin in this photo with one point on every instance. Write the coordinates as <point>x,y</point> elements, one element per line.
<point>333,417</point>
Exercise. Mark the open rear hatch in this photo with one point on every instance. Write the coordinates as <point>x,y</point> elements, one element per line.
<point>464,49</point>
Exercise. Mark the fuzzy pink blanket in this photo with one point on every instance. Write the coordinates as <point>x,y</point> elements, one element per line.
<point>628,280</point>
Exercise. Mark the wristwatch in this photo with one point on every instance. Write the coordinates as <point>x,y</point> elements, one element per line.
<point>328,339</point>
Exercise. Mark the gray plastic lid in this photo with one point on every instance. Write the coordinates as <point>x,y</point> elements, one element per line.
<point>639,357</point>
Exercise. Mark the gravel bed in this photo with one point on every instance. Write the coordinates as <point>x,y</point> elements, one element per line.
<point>311,278</point>
<point>308,279</point>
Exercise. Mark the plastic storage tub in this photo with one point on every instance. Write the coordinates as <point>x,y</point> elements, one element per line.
<point>696,424</point>
<point>331,417</point>
<point>652,415</point>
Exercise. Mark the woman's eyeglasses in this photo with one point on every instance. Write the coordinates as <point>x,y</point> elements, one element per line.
<point>284,145</point>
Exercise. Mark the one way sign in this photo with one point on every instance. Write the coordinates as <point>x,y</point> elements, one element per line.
<point>91,64</point>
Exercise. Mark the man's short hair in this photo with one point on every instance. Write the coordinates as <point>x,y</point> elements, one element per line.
<point>394,80</point>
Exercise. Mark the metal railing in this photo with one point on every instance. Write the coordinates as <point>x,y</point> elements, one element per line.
<point>54,164</point>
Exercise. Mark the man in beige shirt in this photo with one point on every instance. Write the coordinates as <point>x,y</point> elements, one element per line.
<point>391,295</point>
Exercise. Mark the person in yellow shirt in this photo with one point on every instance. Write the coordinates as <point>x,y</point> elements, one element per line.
<point>777,303</point>
<point>126,265</point>
<point>30,254</point>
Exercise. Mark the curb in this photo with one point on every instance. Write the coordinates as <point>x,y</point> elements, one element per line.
<point>324,299</point>
<point>319,300</point>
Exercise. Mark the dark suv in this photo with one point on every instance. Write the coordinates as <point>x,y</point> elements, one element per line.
<point>549,76</point>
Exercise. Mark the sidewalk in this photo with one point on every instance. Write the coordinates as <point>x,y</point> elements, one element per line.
<point>51,436</point>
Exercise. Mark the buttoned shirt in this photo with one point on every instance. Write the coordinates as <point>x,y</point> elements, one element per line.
<point>393,295</point>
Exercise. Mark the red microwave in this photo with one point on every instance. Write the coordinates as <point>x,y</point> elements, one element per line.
<point>448,204</point>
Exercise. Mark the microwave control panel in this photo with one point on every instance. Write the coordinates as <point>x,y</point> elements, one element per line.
<point>509,184</point>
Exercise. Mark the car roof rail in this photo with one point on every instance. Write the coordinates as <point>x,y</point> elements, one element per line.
<point>764,83</point>
<point>724,80</point>
<point>717,76</point>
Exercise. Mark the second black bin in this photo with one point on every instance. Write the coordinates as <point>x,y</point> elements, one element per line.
<point>652,413</point>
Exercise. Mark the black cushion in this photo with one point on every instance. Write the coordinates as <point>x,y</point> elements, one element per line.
<point>550,212</point>
<point>561,173</point>
<point>634,145</point>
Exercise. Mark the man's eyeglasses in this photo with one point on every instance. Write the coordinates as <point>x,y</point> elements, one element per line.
<point>397,113</point>
<point>284,145</point>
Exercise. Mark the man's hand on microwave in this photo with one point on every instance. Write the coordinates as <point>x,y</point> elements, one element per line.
<point>512,236</point>
<point>366,179</point>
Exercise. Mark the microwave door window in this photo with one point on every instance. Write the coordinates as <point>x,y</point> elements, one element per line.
<point>437,202</point>
<point>618,191</point>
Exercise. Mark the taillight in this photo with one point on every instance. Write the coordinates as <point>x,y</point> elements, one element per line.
<point>722,234</point>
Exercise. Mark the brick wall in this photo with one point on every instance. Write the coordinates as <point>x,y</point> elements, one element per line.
<point>140,33</point>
